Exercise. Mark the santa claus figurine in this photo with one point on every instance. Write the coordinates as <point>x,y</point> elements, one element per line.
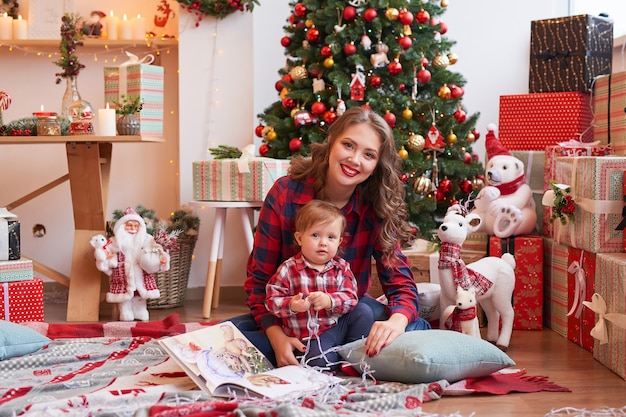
<point>139,256</point>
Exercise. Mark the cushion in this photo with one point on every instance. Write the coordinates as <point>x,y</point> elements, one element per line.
<point>423,356</point>
<point>18,340</point>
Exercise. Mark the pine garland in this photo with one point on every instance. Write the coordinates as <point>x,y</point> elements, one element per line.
<point>71,37</point>
<point>216,8</point>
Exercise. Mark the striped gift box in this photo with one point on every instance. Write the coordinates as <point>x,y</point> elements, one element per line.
<point>596,185</point>
<point>236,179</point>
<point>530,122</point>
<point>146,81</point>
<point>555,267</point>
<point>610,283</point>
<point>609,102</point>
<point>20,270</point>
<point>22,301</point>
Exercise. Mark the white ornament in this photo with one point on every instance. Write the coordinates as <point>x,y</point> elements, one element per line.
<point>357,3</point>
<point>341,107</point>
<point>318,85</point>
<point>339,28</point>
<point>366,42</point>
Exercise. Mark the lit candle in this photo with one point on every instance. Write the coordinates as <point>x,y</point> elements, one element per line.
<point>139,27</point>
<point>20,28</point>
<point>126,29</point>
<point>6,27</point>
<point>106,122</point>
<point>43,113</point>
<point>111,25</point>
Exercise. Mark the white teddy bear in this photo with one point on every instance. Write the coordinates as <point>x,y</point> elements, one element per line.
<point>505,204</point>
<point>103,253</point>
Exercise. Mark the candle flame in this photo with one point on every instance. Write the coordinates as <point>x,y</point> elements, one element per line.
<point>125,18</point>
<point>107,105</point>
<point>111,14</point>
<point>42,107</point>
<point>19,17</point>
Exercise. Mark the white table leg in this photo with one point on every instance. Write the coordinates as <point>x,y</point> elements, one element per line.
<point>246,213</point>
<point>216,241</point>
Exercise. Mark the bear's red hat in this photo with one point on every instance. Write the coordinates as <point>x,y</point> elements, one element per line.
<point>493,146</point>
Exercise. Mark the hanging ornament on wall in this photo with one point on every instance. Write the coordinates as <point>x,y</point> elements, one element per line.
<point>416,143</point>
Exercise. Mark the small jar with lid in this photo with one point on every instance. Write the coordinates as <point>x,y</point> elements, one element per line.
<point>48,124</point>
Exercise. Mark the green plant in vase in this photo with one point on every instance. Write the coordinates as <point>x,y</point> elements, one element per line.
<point>127,109</point>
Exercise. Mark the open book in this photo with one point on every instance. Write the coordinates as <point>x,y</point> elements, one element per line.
<point>224,363</point>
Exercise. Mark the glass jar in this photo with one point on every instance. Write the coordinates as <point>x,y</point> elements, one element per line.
<point>48,126</point>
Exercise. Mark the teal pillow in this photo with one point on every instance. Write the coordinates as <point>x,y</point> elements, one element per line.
<point>429,355</point>
<point>18,340</point>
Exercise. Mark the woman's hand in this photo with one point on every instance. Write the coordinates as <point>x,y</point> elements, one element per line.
<point>284,346</point>
<point>385,332</point>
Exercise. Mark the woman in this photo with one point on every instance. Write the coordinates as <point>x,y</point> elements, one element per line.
<point>357,170</point>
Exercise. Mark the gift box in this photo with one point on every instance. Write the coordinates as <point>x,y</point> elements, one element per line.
<point>609,102</point>
<point>534,165</point>
<point>528,292</point>
<point>530,122</point>
<point>22,301</point>
<point>581,272</point>
<point>562,150</point>
<point>244,179</point>
<point>609,308</point>
<point>567,53</point>
<point>145,81</point>
<point>20,270</point>
<point>9,236</point>
<point>596,187</point>
<point>555,296</point>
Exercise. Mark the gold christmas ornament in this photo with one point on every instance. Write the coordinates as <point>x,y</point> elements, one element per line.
<point>271,135</point>
<point>266,130</point>
<point>392,13</point>
<point>453,58</point>
<point>407,30</point>
<point>451,138</point>
<point>422,185</point>
<point>416,143</point>
<point>329,62</point>
<point>444,92</point>
<point>444,3</point>
<point>407,114</point>
<point>477,183</point>
<point>309,23</point>
<point>299,73</point>
<point>283,92</point>
<point>402,153</point>
<point>470,137</point>
<point>441,61</point>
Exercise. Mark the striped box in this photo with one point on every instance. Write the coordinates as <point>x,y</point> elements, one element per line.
<point>22,301</point>
<point>610,283</point>
<point>581,273</point>
<point>530,122</point>
<point>555,266</point>
<point>20,270</point>
<point>596,184</point>
<point>236,179</point>
<point>145,81</point>
<point>609,102</point>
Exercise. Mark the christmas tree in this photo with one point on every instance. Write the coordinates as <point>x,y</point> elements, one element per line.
<point>392,56</point>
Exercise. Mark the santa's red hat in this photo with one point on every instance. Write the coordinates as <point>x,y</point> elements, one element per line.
<point>129,214</point>
<point>493,146</point>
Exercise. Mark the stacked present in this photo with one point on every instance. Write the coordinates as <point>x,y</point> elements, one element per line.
<point>20,292</point>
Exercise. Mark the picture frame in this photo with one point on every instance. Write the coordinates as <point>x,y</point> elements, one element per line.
<point>44,18</point>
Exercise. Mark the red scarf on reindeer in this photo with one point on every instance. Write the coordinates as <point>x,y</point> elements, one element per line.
<point>450,258</point>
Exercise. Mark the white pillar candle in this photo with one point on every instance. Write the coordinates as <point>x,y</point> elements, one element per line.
<point>111,25</point>
<point>126,29</point>
<point>106,122</point>
<point>6,27</point>
<point>139,27</point>
<point>20,28</point>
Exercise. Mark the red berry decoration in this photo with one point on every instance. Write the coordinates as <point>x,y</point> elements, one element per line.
<point>375,81</point>
<point>326,51</point>
<point>390,118</point>
<point>394,68</point>
<point>405,42</point>
<point>285,41</point>
<point>405,17</point>
<point>370,14</point>
<point>294,144</point>
<point>330,116</point>
<point>259,130</point>
<point>349,13</point>
<point>300,10</point>
<point>313,34</point>
<point>349,49</point>
<point>423,76</point>
<point>422,16</point>
<point>263,149</point>
<point>318,108</point>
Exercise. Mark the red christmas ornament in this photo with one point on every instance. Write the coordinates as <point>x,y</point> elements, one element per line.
<point>295,144</point>
<point>422,16</point>
<point>394,68</point>
<point>443,28</point>
<point>349,13</point>
<point>476,133</point>
<point>390,118</point>
<point>278,86</point>
<point>425,62</point>
<point>330,116</point>
<point>423,76</point>
<point>404,178</point>
<point>366,106</point>
<point>300,10</point>
<point>445,186</point>
<point>292,19</point>
<point>326,51</point>
<point>263,149</point>
<point>456,91</point>
<point>466,186</point>
<point>370,14</point>
<point>313,34</point>
<point>318,108</point>
<point>402,88</point>
<point>259,131</point>
<point>460,116</point>
<point>287,78</point>
<point>467,158</point>
<point>405,42</point>
<point>285,41</point>
<point>289,103</point>
<point>405,17</point>
<point>434,21</point>
<point>349,49</point>
<point>375,81</point>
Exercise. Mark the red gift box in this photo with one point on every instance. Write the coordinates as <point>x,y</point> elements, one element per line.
<point>22,301</point>
<point>581,272</point>
<point>528,293</point>
<point>530,122</point>
<point>555,278</point>
<point>609,101</point>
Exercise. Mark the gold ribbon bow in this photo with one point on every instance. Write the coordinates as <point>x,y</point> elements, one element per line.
<point>598,306</point>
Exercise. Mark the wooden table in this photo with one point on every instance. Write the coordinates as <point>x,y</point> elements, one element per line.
<point>89,165</point>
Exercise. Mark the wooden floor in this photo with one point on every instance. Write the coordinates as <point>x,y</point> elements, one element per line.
<point>539,352</point>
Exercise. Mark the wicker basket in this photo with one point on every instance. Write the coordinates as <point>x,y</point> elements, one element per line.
<point>173,283</point>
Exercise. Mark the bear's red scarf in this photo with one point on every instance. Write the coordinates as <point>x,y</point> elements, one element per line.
<point>511,187</point>
<point>450,258</point>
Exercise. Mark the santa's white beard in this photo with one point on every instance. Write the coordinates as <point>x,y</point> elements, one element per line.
<point>129,245</point>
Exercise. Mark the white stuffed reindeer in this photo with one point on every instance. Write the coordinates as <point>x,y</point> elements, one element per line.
<point>492,277</point>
